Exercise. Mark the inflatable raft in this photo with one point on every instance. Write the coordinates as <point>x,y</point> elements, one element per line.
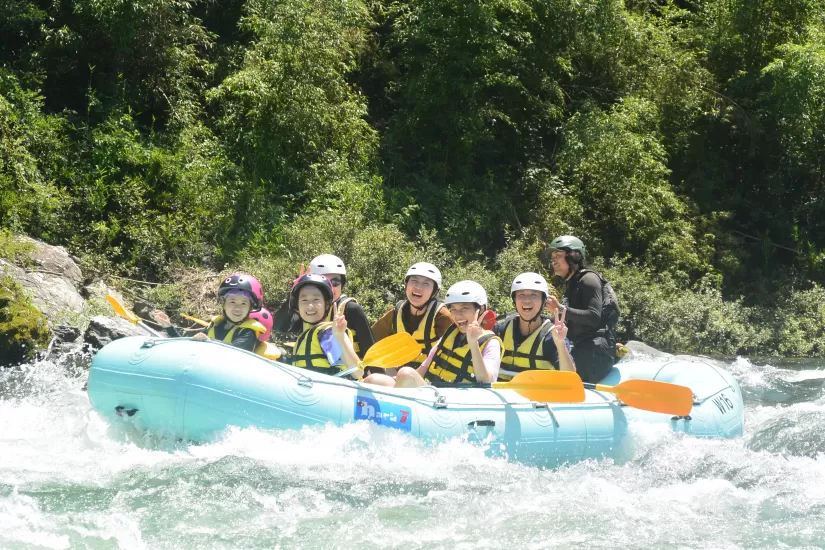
<point>194,390</point>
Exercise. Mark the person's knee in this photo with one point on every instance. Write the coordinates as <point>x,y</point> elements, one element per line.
<point>407,377</point>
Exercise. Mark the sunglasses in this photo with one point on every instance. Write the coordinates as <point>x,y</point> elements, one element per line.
<point>335,282</point>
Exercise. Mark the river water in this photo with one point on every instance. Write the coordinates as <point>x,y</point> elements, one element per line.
<point>69,480</point>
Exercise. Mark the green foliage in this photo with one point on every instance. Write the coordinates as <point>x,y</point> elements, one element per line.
<point>800,323</point>
<point>16,251</point>
<point>618,166</point>
<point>169,138</point>
<point>23,329</point>
<point>659,311</point>
<point>32,149</point>
<point>290,118</point>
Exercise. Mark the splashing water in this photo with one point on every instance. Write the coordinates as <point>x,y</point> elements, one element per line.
<point>69,480</point>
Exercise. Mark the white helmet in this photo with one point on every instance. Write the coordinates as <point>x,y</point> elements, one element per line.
<point>466,291</point>
<point>327,264</point>
<point>424,269</point>
<point>529,281</point>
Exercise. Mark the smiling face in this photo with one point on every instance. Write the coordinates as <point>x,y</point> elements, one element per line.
<point>560,265</point>
<point>419,290</point>
<point>311,305</point>
<point>236,308</point>
<point>529,303</point>
<point>463,314</point>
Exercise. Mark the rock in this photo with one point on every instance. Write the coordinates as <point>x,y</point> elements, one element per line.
<point>65,333</point>
<point>52,281</point>
<point>103,330</point>
<point>638,349</point>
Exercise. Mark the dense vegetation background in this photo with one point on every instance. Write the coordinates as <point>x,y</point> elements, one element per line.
<point>684,141</point>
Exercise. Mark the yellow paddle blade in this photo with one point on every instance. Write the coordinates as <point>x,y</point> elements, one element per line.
<point>201,322</point>
<point>546,386</point>
<point>652,395</point>
<point>393,351</point>
<point>120,309</point>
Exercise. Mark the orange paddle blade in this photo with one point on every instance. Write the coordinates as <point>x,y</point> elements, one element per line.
<point>393,351</point>
<point>120,309</point>
<point>546,386</point>
<point>652,395</point>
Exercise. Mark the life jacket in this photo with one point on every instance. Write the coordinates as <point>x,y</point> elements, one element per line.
<point>610,307</point>
<point>530,353</point>
<point>308,353</point>
<point>454,365</point>
<point>424,334</point>
<point>342,307</point>
<point>264,349</point>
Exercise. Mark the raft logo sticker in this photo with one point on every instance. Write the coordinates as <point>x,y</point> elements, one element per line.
<point>383,413</point>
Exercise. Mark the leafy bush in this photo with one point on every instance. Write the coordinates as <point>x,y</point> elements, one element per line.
<point>23,329</point>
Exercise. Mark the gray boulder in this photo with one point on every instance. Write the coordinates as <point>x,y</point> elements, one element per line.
<point>103,330</point>
<point>52,282</point>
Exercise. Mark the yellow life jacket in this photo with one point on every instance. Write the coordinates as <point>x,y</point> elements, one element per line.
<point>342,307</point>
<point>454,365</point>
<point>264,349</point>
<point>308,353</point>
<point>530,353</point>
<point>424,334</point>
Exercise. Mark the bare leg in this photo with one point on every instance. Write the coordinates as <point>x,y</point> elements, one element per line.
<point>408,377</point>
<point>379,380</point>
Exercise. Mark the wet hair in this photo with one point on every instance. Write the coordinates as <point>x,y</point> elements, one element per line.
<point>575,260</point>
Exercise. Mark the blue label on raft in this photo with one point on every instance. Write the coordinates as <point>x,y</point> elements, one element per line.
<point>383,413</point>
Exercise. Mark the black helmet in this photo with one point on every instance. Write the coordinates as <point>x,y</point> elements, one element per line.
<point>568,243</point>
<point>310,279</point>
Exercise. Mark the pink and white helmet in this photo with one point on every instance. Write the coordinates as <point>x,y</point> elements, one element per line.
<point>246,283</point>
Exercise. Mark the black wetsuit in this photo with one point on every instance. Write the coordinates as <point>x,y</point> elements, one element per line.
<point>593,345</point>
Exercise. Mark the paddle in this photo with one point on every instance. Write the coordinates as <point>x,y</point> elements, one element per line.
<point>651,395</point>
<point>546,386</point>
<point>567,387</point>
<point>201,322</point>
<point>388,353</point>
<point>121,310</point>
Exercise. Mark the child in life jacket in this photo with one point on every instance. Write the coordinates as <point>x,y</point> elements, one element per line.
<point>467,354</point>
<point>422,314</point>
<point>324,346</point>
<point>241,297</point>
<point>333,268</point>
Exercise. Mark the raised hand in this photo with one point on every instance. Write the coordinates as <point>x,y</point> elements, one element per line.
<point>552,304</point>
<point>559,327</point>
<point>474,330</point>
<point>339,321</point>
<point>161,318</point>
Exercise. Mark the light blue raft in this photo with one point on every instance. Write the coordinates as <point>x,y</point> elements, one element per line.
<point>194,390</point>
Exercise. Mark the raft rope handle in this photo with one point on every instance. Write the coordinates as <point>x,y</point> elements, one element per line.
<point>698,401</point>
<point>301,379</point>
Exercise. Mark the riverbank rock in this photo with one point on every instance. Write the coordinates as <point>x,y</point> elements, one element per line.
<point>103,330</point>
<point>52,279</point>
